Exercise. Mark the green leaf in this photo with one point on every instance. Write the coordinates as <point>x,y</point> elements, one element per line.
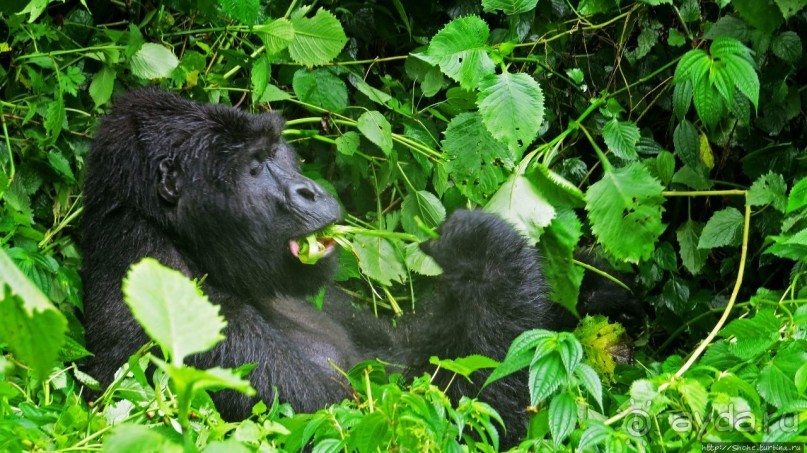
<point>348,143</point>
<point>317,40</point>
<point>762,15</point>
<point>128,438</point>
<point>745,79</point>
<point>621,138</point>
<point>798,196</point>
<point>276,35</point>
<point>378,259</point>
<point>153,61</point>
<point>692,66</point>
<point>724,228</point>
<point>101,86</point>
<point>590,380</point>
<point>520,354</point>
<point>321,88</point>
<point>557,248</point>
<point>707,102</point>
<point>752,337</point>
<point>789,8</point>
<point>546,375</point>
<point>171,310</point>
<point>685,140</point>
<point>695,396</point>
<point>562,417</point>
<point>626,199</point>
<point>596,434</point>
<point>775,387</point>
<point>476,161</point>
<point>519,202</point>
<point>186,377</point>
<point>769,189</point>
<point>512,107</point>
<point>509,7</point>
<point>55,118</point>
<point>420,262</point>
<point>682,98</point>
<point>60,163</point>
<point>722,80</point>
<point>245,11</point>
<point>32,328</point>
<point>727,48</point>
<point>692,257</point>
<point>461,51</point>
<point>570,350</point>
<point>426,207</point>
<point>787,46</point>
<point>377,129</point>
<point>466,365</point>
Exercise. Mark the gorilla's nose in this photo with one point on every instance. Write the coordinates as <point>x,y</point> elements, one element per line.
<point>307,197</point>
<point>304,192</point>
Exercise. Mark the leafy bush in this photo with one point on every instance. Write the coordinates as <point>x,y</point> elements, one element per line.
<point>669,132</point>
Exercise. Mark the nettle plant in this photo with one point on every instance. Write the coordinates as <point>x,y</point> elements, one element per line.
<point>573,120</point>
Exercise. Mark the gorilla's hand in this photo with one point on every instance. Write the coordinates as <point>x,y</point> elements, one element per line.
<point>474,243</point>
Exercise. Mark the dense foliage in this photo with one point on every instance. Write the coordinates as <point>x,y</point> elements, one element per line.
<point>668,136</point>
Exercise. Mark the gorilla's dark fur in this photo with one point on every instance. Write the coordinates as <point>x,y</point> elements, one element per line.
<point>210,190</point>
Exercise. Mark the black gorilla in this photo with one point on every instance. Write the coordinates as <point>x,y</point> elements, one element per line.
<point>211,190</point>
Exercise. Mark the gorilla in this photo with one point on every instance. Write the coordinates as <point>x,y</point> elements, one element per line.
<point>213,191</point>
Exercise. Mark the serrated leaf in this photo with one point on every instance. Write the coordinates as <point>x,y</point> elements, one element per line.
<point>692,66</point>
<point>476,161</point>
<point>212,378</point>
<point>685,140</point>
<point>426,207</point>
<point>170,309</point>
<point>692,257</point>
<point>276,35</point>
<point>723,228</point>
<point>377,129</point>
<point>32,328</point>
<point>518,201</point>
<point>461,51</point>
<point>59,163</point>
<point>509,7</point>
<point>317,40</point>
<point>722,80</point>
<point>621,138</point>
<point>798,196</point>
<point>787,46</point>
<point>591,381</point>
<point>789,8</point>
<point>420,262</point>
<point>153,61</point>
<point>55,118</point>
<point>520,354</point>
<point>705,151</point>
<point>745,79</point>
<point>101,86</point>
<point>466,365</point>
<point>570,351</point>
<point>321,88</point>
<point>775,387</point>
<point>245,11</point>
<point>682,98</point>
<point>557,247</point>
<point>348,143</point>
<point>378,259</point>
<point>727,48</point>
<point>707,102</point>
<point>626,199</point>
<point>695,395</point>
<point>512,107</point>
<point>546,375</point>
<point>596,434</point>
<point>562,417</point>
<point>769,189</point>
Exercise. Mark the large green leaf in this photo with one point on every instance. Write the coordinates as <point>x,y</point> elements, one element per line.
<point>171,310</point>
<point>378,259</point>
<point>509,7</point>
<point>557,248</point>
<point>707,102</point>
<point>724,228</point>
<point>461,51</point>
<point>477,161</point>
<point>276,35</point>
<point>625,212</point>
<point>512,107</point>
<point>425,206</point>
<point>246,11</point>
<point>153,61</point>
<point>546,375</point>
<point>322,88</point>
<point>377,129</point>
<point>102,84</point>
<point>317,40</point>
<point>562,417</point>
<point>692,66</point>
<point>30,325</point>
<point>770,189</point>
<point>621,138</point>
<point>519,202</point>
<point>685,140</point>
<point>688,236</point>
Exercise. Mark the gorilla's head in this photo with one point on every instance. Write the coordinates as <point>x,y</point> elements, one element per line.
<point>221,184</point>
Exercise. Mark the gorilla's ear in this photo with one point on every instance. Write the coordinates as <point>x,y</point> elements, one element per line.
<point>169,183</point>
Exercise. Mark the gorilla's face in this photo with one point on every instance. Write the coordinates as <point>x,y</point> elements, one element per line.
<point>241,205</point>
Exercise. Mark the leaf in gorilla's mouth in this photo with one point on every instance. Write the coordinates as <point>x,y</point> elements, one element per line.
<point>313,247</point>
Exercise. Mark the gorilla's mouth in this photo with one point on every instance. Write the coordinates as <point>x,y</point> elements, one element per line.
<point>311,248</point>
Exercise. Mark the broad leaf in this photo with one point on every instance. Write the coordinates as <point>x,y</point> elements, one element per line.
<point>787,46</point>
<point>378,259</point>
<point>520,203</point>
<point>798,196</point>
<point>317,40</point>
<point>693,66</point>
<point>245,11</point>
<point>625,212</point>
<point>461,51</point>
<point>685,139</point>
<point>171,310</point>
<point>724,228</point>
<point>707,102</point>
<point>509,7</point>
<point>426,207</point>
<point>512,107</point>
<point>153,61</point>
<point>769,189</point>
<point>562,417</point>
<point>276,35</point>
<point>546,375</point>
<point>476,160</point>
<point>621,138</point>
<point>321,88</point>
<point>590,380</point>
<point>101,85</point>
<point>377,129</point>
<point>692,257</point>
<point>557,248</point>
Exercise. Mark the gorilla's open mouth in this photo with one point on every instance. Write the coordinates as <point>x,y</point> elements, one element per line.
<point>311,248</point>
